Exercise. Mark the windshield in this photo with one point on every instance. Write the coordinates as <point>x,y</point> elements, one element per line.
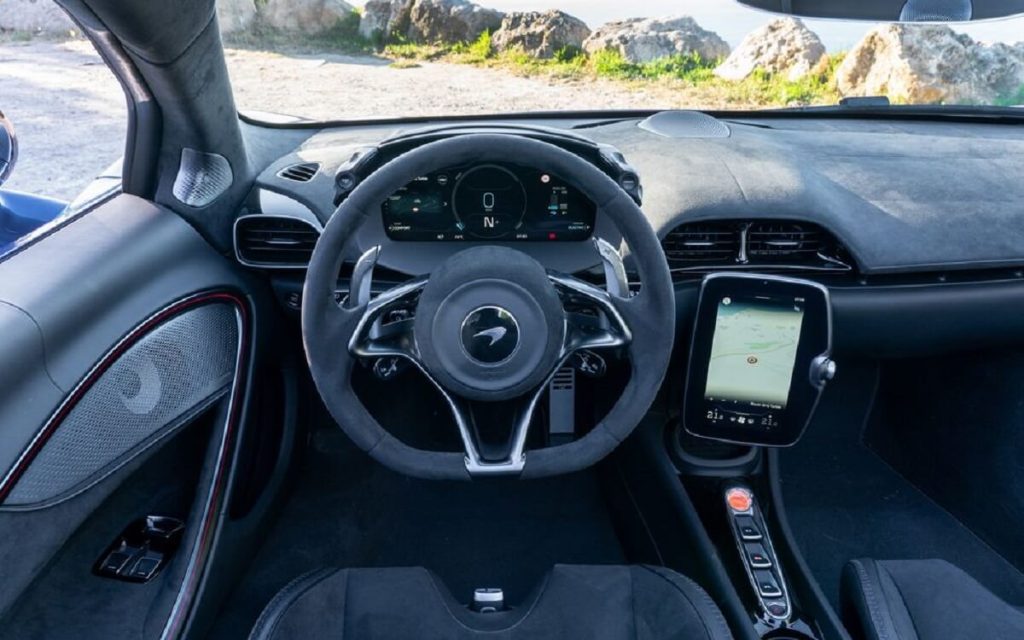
<point>328,60</point>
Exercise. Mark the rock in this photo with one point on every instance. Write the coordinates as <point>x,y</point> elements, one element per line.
<point>234,16</point>
<point>34,15</point>
<point>426,21</point>
<point>308,17</point>
<point>378,17</point>
<point>930,64</point>
<point>540,35</point>
<point>646,39</point>
<point>783,46</point>
<point>432,21</point>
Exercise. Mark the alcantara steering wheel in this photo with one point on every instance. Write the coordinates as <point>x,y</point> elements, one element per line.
<point>490,326</point>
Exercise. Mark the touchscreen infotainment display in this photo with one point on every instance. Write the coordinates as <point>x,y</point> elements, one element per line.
<point>759,358</point>
<point>753,352</point>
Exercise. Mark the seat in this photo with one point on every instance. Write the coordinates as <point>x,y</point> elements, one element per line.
<point>573,601</point>
<point>923,600</point>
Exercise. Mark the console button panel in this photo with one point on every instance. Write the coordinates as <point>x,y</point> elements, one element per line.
<point>757,553</point>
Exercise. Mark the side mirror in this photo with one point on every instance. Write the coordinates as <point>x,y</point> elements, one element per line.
<point>8,148</point>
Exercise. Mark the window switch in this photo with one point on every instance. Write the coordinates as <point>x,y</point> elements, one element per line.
<point>145,567</point>
<point>115,561</point>
<point>747,528</point>
<point>767,586</point>
<point>142,549</point>
<point>757,556</point>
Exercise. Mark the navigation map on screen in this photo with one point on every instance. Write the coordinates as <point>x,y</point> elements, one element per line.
<point>753,352</point>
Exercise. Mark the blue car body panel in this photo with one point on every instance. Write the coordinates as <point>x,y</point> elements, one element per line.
<point>22,213</point>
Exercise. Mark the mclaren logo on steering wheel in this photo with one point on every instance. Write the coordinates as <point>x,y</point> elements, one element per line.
<point>490,335</point>
<point>494,333</point>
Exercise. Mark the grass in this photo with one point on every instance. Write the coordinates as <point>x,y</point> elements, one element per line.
<point>688,73</point>
<point>1011,99</point>
<point>9,36</point>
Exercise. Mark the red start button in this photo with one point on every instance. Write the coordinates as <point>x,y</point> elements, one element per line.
<point>739,499</point>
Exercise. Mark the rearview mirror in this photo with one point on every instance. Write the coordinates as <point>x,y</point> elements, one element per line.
<point>8,148</point>
<point>893,10</point>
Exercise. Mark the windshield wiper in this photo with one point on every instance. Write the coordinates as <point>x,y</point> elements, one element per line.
<point>864,101</point>
<point>880,107</point>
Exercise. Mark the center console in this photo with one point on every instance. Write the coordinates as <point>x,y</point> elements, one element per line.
<point>759,362</point>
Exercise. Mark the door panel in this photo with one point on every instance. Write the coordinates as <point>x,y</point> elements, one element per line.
<point>26,391</point>
<point>123,331</point>
<point>92,281</point>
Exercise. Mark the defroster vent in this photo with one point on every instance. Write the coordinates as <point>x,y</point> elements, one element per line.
<point>302,172</point>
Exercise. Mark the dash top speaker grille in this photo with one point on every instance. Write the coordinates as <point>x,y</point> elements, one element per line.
<point>161,381</point>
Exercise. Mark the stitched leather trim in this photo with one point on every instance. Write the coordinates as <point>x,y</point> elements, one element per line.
<point>278,606</point>
<point>877,605</point>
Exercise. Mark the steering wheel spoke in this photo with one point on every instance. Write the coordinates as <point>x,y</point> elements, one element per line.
<point>592,316</point>
<point>385,326</point>
<point>507,455</point>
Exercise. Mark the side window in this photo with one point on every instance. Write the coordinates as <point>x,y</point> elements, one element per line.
<point>62,132</point>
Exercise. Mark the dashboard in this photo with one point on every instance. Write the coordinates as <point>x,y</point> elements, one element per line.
<point>926,211</point>
<point>714,186</point>
<point>488,202</point>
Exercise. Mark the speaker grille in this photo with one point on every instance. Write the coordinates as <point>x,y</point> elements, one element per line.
<point>202,177</point>
<point>157,383</point>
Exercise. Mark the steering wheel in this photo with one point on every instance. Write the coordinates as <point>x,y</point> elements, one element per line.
<point>491,326</point>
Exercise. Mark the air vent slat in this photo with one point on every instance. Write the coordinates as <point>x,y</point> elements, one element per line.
<point>782,241</point>
<point>301,172</point>
<point>274,241</point>
<point>770,244</point>
<point>705,243</point>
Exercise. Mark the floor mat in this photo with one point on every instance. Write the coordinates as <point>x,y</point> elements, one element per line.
<point>970,407</point>
<point>346,510</point>
<point>843,501</point>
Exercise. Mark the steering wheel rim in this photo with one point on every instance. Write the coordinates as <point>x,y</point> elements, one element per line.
<point>329,329</point>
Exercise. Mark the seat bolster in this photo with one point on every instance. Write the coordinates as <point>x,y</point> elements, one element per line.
<point>704,608</point>
<point>274,612</point>
<point>873,601</point>
<point>924,600</point>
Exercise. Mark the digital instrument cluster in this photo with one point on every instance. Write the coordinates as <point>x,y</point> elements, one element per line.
<point>488,202</point>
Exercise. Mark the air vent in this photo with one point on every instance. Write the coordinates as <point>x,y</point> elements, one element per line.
<point>783,242</point>
<point>302,172</point>
<point>702,244</point>
<point>274,241</point>
<point>780,245</point>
